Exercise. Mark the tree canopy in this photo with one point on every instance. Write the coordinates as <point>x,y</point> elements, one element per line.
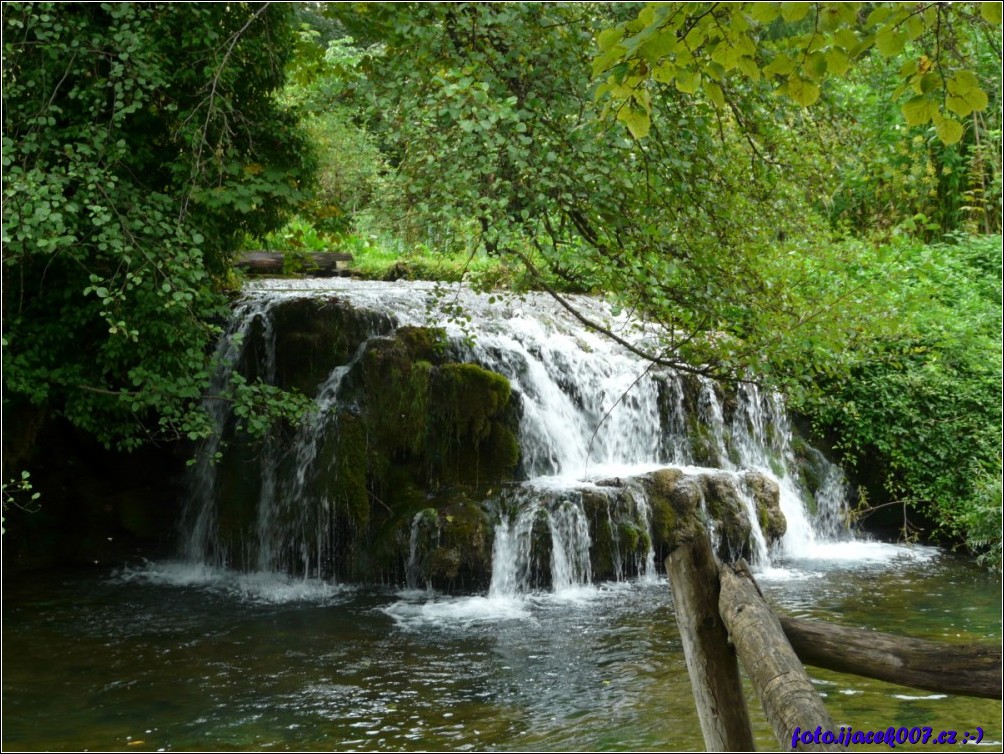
<point>716,48</point>
<point>710,227</point>
<point>139,142</point>
<point>761,183</point>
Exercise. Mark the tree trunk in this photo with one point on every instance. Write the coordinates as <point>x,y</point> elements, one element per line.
<point>272,262</point>
<point>967,669</point>
<point>711,662</point>
<point>789,700</point>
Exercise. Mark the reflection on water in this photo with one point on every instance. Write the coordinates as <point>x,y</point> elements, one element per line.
<point>171,657</point>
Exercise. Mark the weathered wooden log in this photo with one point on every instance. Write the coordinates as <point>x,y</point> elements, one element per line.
<point>967,669</point>
<point>789,700</point>
<point>272,262</point>
<point>711,662</point>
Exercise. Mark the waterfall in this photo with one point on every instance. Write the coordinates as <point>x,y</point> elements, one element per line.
<point>199,513</point>
<point>592,417</point>
<point>544,520</point>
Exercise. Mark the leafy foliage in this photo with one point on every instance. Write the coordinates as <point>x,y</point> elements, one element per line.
<point>139,141</point>
<point>486,115</point>
<point>922,414</point>
<point>796,47</point>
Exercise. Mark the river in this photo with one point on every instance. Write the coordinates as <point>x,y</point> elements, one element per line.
<point>170,656</point>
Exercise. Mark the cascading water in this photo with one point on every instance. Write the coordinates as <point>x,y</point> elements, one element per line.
<point>589,411</point>
<point>199,515</point>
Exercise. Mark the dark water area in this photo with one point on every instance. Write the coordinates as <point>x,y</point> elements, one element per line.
<point>178,657</point>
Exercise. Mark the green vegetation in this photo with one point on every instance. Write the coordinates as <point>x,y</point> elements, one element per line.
<point>920,420</point>
<point>677,158</point>
<point>139,142</point>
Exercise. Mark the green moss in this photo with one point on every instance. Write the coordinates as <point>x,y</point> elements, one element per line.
<point>470,439</point>
<point>703,446</point>
<point>725,507</point>
<point>423,343</point>
<point>396,389</point>
<point>630,536</point>
<point>644,541</point>
<point>348,480</point>
<point>466,398</point>
<point>665,519</point>
<point>602,545</point>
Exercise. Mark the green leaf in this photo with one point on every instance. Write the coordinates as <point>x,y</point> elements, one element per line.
<point>965,93</point>
<point>663,43</point>
<point>794,11</point>
<point>764,13</point>
<point>991,13</point>
<point>664,73</point>
<point>837,61</point>
<point>749,67</point>
<point>803,92</point>
<point>609,37</point>
<point>890,42</point>
<point>949,130</point>
<point>637,120</point>
<point>815,65</point>
<point>929,82</point>
<point>687,81</point>
<point>715,93</point>
<point>781,65</point>
<point>919,111</point>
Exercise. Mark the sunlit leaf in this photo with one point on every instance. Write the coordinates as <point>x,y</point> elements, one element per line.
<point>949,130</point>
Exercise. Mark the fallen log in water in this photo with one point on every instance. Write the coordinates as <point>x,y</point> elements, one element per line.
<point>788,697</point>
<point>273,262</point>
<point>711,662</point>
<point>967,669</point>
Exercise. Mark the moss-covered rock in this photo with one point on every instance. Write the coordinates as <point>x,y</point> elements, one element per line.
<point>721,496</point>
<point>394,397</point>
<point>471,439</point>
<point>767,498</point>
<point>423,343</point>
<point>465,530</point>
<point>619,541</point>
<point>661,487</point>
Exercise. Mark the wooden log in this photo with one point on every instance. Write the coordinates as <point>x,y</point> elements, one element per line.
<point>711,662</point>
<point>789,700</point>
<point>967,669</point>
<point>272,262</point>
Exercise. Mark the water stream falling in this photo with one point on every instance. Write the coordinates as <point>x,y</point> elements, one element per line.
<point>248,644</point>
<point>589,410</point>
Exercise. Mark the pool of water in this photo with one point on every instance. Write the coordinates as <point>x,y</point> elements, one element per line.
<point>175,657</point>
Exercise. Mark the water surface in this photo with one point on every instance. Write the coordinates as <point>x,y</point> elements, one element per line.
<point>175,657</point>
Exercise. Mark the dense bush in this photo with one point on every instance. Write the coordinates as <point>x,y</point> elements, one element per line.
<point>923,414</point>
<point>140,140</point>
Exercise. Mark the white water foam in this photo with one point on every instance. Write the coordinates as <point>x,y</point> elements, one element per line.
<point>268,588</point>
<point>589,411</point>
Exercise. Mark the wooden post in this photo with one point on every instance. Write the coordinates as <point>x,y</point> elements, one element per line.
<point>711,662</point>
<point>967,669</point>
<point>786,693</point>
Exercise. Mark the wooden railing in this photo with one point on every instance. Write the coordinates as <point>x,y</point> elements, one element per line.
<point>723,616</point>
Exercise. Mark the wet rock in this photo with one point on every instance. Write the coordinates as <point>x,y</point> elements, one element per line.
<point>767,498</point>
